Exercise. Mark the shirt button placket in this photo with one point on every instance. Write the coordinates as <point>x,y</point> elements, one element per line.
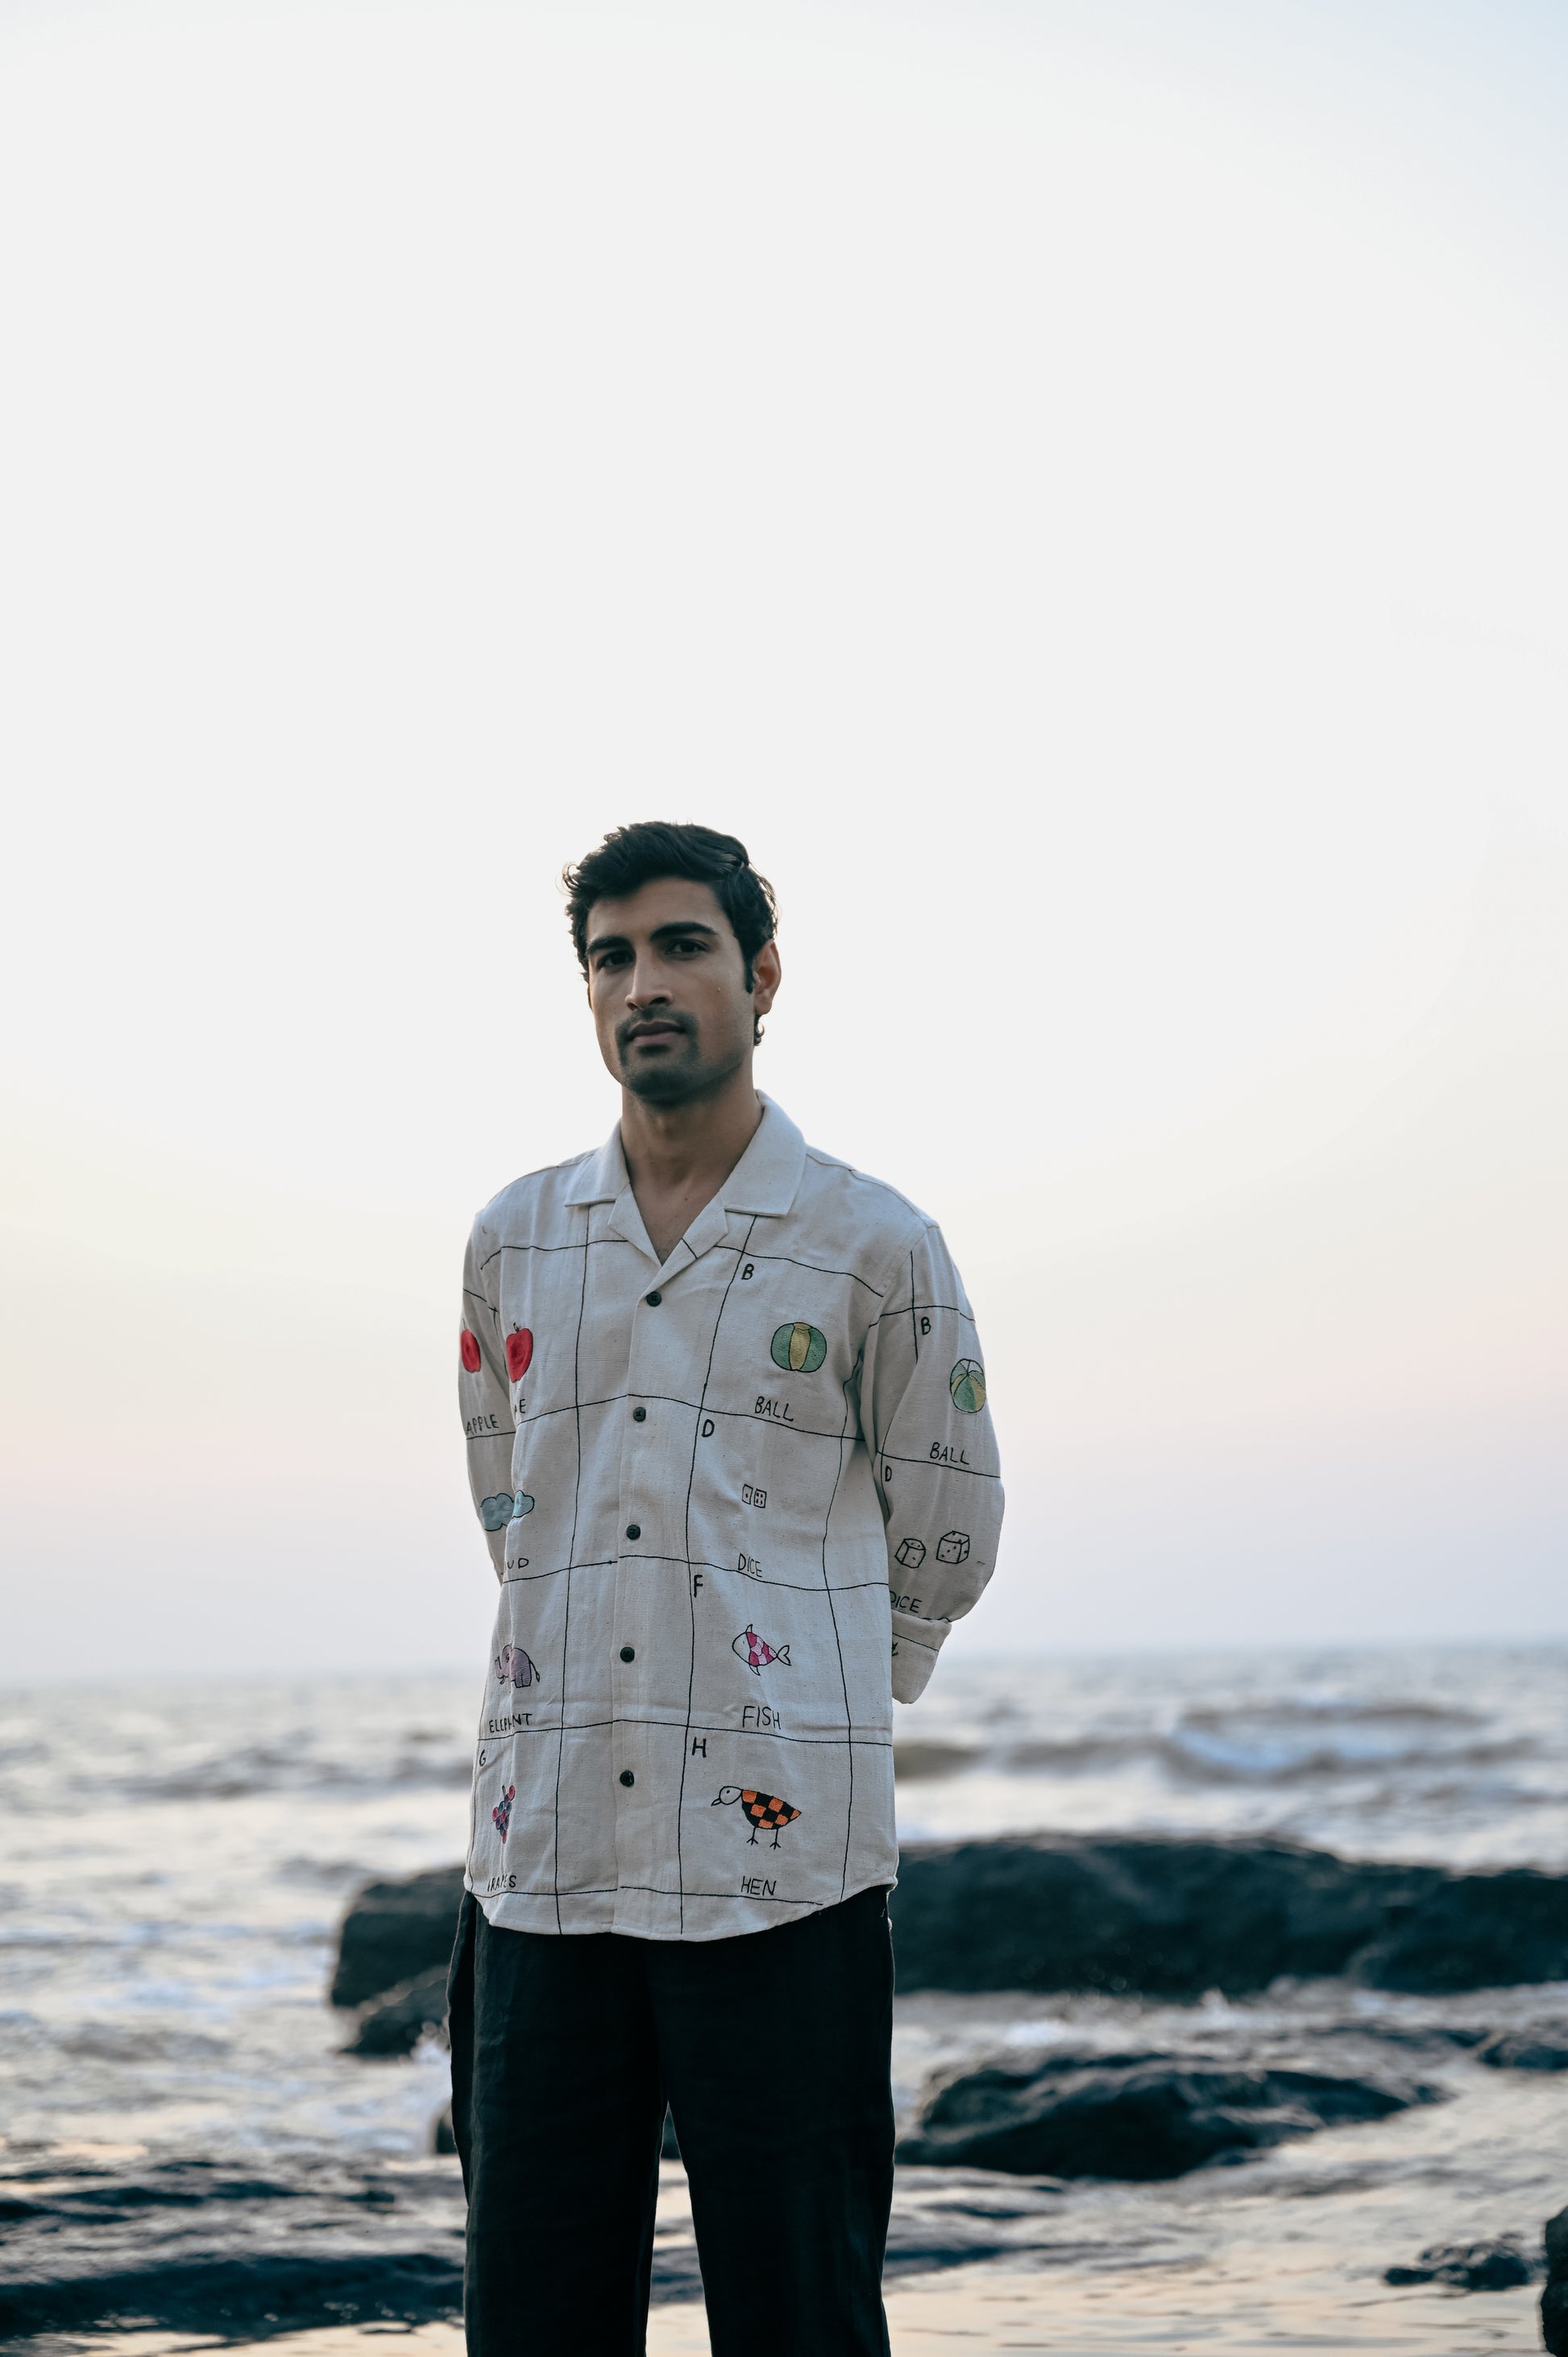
<point>633,1505</point>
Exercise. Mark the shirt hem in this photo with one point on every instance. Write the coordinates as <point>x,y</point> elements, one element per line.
<point>582,1914</point>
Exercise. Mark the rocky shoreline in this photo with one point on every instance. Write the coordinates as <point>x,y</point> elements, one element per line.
<point>1124,1916</point>
<point>1140,2117</point>
<point>1166,1918</point>
<point>1100,2013</point>
<point>1134,1915</point>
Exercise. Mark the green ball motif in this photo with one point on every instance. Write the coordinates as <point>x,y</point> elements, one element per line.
<point>800,1349</point>
<point>967,1384</point>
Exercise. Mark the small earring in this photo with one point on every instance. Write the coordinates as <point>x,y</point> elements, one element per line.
<point>755,1034</point>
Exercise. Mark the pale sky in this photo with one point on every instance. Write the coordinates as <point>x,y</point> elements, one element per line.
<point>1079,488</point>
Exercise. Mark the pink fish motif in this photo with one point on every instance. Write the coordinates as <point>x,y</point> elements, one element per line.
<point>758,1653</point>
<point>500,1815</point>
<point>512,1662</point>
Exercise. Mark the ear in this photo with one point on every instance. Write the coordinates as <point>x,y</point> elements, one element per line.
<point>765,976</point>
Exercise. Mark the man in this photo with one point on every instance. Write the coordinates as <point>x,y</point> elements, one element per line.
<point>722,1394</point>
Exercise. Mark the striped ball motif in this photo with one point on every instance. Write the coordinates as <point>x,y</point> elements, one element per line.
<point>799,1348</point>
<point>967,1384</point>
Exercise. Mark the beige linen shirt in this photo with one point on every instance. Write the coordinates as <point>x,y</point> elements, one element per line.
<point>734,1503</point>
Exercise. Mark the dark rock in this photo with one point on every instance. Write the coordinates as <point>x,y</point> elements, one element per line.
<point>396,1930</point>
<point>1554,2317</point>
<point>1140,1914</point>
<point>193,2246</point>
<point>1164,1918</point>
<point>1519,2049</point>
<point>1169,1918</point>
<point>203,2296</point>
<point>1476,1931</point>
<point>395,2023</point>
<point>1494,2266</point>
<point>196,2249</point>
<point>1554,2298</point>
<point>1137,2116</point>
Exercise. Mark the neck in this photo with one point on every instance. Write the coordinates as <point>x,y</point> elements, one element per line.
<point>681,1148</point>
<point>678,1156</point>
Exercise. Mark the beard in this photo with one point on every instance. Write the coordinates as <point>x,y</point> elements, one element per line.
<point>680,1074</point>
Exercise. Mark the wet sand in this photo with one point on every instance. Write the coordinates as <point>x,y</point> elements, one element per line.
<point>1288,2253</point>
<point>1290,2301</point>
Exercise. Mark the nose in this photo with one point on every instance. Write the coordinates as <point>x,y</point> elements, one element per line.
<point>645,985</point>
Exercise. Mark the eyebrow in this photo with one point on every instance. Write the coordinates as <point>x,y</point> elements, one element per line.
<point>660,933</point>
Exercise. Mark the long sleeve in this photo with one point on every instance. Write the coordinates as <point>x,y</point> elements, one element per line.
<point>485,1401</point>
<point>934,1457</point>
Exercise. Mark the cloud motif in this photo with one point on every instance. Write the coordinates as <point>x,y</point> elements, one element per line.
<point>503,1508</point>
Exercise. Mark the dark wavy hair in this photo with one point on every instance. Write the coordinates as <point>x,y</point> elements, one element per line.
<point>630,856</point>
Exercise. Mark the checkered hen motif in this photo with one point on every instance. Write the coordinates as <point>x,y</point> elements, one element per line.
<point>767,1812</point>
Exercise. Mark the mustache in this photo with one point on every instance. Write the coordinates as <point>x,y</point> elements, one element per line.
<point>681,1023</point>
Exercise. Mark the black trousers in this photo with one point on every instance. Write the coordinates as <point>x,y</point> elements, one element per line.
<point>773,2051</point>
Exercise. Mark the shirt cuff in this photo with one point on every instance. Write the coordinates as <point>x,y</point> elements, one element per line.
<point>915,1644</point>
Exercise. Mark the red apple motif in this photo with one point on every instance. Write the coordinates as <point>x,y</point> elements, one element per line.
<point>469,1351</point>
<point>518,1352</point>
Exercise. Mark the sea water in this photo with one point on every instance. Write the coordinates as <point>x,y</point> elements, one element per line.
<point>175,1861</point>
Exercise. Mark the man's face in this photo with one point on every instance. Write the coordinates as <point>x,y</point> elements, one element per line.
<point>667,984</point>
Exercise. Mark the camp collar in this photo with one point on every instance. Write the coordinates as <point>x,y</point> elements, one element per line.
<point>765,1180</point>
